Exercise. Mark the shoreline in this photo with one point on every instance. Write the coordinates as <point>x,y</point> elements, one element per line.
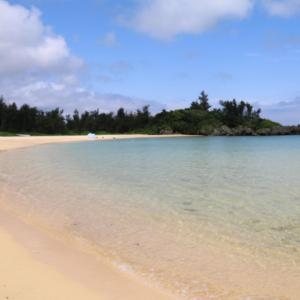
<point>36,264</point>
<point>10,143</point>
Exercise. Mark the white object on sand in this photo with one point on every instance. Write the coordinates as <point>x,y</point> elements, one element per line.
<point>92,136</point>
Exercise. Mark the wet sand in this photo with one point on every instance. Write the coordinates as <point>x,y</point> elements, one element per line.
<point>35,265</point>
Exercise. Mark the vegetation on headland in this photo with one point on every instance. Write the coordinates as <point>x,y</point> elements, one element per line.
<point>231,118</point>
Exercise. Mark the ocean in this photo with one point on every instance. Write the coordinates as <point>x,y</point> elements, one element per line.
<point>204,217</point>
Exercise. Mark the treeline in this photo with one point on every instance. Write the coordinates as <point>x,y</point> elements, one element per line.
<point>200,118</point>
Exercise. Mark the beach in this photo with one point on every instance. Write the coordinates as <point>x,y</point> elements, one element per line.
<point>35,265</point>
<point>9,143</point>
<point>136,217</point>
<point>149,150</point>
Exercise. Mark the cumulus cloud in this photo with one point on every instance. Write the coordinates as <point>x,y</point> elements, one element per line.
<point>27,45</point>
<point>37,67</point>
<point>164,19</point>
<point>282,7</point>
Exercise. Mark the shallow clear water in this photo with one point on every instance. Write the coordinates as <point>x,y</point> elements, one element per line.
<point>208,218</point>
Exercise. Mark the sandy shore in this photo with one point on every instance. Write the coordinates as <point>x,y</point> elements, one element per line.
<point>9,143</point>
<point>34,265</point>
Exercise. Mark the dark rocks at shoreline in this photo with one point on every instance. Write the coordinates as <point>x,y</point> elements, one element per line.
<point>280,130</point>
<point>166,132</point>
<point>238,131</point>
<point>246,131</point>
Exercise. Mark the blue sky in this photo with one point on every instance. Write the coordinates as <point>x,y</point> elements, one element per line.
<point>106,54</point>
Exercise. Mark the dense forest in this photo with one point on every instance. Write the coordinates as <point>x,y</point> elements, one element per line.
<point>231,118</point>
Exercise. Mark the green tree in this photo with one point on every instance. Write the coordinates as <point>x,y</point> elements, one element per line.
<point>202,103</point>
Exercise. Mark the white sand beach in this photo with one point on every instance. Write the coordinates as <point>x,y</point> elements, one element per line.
<point>9,143</point>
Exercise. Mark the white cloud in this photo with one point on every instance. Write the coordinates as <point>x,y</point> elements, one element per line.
<point>38,68</point>
<point>27,45</point>
<point>164,19</point>
<point>282,7</point>
<point>48,95</point>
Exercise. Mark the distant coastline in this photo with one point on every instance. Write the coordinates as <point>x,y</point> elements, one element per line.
<point>231,118</point>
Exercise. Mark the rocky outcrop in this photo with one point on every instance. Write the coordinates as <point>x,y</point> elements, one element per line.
<point>166,131</point>
<point>239,131</point>
<point>280,130</point>
<point>246,131</point>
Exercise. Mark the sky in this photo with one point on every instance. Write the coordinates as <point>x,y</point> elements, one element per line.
<point>111,53</point>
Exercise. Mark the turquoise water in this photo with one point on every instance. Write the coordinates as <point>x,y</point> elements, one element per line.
<point>208,218</point>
